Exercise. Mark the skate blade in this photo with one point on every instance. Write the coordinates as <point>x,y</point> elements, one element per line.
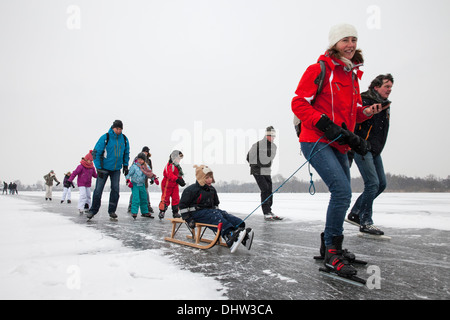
<point>374,237</point>
<point>352,222</point>
<point>248,243</point>
<point>239,241</point>
<point>354,280</point>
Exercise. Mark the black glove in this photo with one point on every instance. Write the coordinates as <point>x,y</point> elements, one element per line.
<point>125,170</point>
<point>358,144</point>
<point>181,182</point>
<point>331,130</point>
<point>101,173</point>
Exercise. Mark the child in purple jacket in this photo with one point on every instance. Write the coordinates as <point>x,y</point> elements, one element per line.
<point>85,171</point>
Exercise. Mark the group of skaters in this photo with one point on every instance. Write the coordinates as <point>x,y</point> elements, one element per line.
<point>336,125</point>
<point>10,188</point>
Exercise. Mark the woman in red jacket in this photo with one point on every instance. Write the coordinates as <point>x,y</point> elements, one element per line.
<point>173,176</point>
<point>330,117</point>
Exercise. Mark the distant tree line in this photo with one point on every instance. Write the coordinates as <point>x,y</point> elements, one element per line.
<point>395,183</point>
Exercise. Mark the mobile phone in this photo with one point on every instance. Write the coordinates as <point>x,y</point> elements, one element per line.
<point>385,103</point>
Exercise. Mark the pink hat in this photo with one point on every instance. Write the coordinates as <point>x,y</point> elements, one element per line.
<point>89,156</point>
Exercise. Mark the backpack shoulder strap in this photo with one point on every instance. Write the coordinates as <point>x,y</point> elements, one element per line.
<point>319,82</point>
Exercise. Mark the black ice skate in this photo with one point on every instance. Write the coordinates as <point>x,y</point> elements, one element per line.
<point>347,254</point>
<point>337,266</point>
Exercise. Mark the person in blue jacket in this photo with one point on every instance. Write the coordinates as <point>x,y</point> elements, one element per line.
<point>111,154</point>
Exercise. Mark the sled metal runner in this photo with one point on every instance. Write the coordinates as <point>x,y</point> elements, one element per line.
<point>196,235</point>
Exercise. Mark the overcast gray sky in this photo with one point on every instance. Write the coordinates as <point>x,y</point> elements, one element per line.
<point>207,76</point>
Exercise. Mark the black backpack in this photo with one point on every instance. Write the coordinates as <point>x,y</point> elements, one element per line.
<point>319,81</point>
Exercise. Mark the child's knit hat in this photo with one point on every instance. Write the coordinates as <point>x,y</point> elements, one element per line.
<point>89,156</point>
<point>201,173</point>
<point>141,155</point>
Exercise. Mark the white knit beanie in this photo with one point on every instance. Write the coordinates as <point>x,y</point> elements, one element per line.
<point>340,31</point>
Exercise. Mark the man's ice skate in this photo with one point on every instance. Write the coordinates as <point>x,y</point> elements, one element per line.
<point>372,232</point>
<point>113,216</point>
<point>353,219</point>
<point>270,216</point>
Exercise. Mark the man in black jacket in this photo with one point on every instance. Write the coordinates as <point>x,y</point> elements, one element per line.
<point>374,130</point>
<point>260,158</point>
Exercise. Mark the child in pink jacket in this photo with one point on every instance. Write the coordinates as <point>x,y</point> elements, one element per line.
<point>85,171</point>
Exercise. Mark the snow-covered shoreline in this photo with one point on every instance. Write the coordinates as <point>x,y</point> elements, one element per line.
<point>47,256</point>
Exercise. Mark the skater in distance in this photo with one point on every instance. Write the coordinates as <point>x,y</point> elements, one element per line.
<point>260,159</point>
<point>49,178</point>
<point>330,117</point>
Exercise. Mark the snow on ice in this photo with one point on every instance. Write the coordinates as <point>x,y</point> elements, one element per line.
<point>46,256</point>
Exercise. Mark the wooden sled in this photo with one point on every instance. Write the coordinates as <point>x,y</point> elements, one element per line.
<point>196,234</point>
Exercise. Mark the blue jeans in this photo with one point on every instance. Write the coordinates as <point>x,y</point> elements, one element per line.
<point>333,167</point>
<point>372,172</point>
<point>216,216</point>
<point>100,185</point>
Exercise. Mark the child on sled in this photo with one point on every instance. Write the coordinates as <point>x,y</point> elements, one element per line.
<point>199,203</point>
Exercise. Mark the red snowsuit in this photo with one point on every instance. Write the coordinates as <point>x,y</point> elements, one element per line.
<point>340,100</point>
<point>169,187</point>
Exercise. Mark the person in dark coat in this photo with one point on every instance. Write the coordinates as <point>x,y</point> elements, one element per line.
<point>260,158</point>
<point>374,130</point>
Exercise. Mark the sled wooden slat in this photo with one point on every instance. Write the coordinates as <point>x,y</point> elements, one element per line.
<point>197,234</point>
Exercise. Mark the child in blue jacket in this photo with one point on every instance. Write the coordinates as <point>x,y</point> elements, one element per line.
<point>136,181</point>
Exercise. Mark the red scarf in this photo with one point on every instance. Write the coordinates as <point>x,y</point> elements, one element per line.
<point>146,170</point>
<point>85,164</point>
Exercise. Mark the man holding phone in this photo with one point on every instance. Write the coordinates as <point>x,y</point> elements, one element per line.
<point>374,130</point>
